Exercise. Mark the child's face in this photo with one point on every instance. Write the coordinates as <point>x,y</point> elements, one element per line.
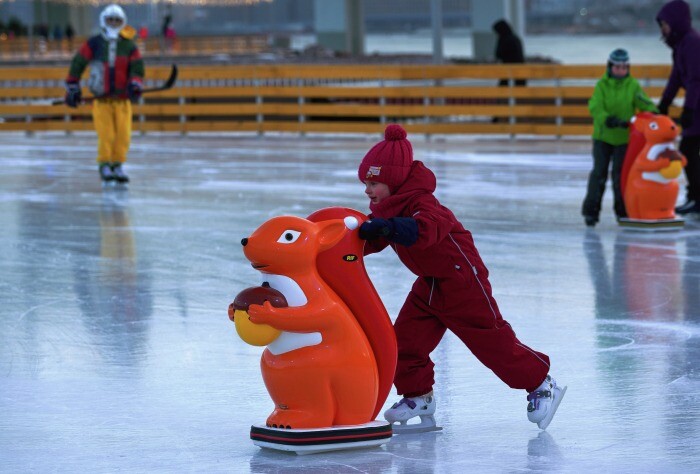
<point>620,70</point>
<point>376,192</point>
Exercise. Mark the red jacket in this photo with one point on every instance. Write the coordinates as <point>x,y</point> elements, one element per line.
<point>444,247</point>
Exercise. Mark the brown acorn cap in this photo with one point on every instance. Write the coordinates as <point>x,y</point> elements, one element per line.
<point>672,155</point>
<point>258,295</point>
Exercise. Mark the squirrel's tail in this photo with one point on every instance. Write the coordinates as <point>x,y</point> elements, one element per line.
<point>343,268</point>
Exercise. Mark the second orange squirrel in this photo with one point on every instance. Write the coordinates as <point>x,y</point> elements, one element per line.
<point>651,188</point>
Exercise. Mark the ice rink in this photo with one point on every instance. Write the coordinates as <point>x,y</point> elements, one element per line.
<point>117,355</point>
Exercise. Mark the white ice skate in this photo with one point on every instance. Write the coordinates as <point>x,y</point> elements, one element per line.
<point>544,401</point>
<point>407,408</point>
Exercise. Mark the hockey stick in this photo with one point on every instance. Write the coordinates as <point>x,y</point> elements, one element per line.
<point>169,83</point>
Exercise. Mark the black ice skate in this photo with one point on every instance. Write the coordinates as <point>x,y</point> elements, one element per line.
<point>120,179</point>
<point>106,173</point>
<point>119,174</point>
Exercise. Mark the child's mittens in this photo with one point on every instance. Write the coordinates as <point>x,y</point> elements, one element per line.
<point>614,122</point>
<point>400,230</point>
<point>375,228</point>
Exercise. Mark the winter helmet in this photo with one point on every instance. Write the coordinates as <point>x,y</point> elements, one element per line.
<point>618,56</point>
<point>112,20</point>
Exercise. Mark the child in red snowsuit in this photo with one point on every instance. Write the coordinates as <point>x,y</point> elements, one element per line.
<point>452,290</point>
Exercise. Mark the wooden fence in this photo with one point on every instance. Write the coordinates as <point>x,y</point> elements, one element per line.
<point>427,99</point>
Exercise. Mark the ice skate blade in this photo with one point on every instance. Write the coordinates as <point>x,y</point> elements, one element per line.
<point>555,404</point>
<point>321,440</point>
<point>115,185</point>
<point>653,225</point>
<point>426,424</point>
<point>413,429</point>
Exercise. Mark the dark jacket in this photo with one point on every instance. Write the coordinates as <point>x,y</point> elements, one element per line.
<point>509,48</point>
<point>443,243</point>
<point>685,42</point>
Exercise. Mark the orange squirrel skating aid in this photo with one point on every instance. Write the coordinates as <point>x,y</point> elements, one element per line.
<point>651,187</point>
<point>321,370</point>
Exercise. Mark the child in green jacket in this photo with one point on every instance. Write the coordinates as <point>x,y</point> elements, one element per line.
<point>617,97</point>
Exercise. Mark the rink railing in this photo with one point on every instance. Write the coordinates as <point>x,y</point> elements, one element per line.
<point>427,99</point>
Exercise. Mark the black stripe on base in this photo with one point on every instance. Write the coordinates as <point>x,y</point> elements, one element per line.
<point>320,436</point>
<point>651,224</point>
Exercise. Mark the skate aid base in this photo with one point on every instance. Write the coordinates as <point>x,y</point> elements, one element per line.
<point>651,224</point>
<point>321,440</point>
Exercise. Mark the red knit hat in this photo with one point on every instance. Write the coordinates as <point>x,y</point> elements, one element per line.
<point>389,161</point>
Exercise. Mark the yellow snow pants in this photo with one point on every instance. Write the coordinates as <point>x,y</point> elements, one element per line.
<point>112,120</point>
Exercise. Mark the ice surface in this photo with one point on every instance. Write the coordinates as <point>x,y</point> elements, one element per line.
<point>116,353</point>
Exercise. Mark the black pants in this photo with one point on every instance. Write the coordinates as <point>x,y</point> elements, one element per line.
<point>690,148</point>
<point>603,153</point>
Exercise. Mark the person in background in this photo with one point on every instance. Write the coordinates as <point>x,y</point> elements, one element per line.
<point>675,22</point>
<point>616,98</point>
<point>116,80</point>
<point>143,32</point>
<point>170,37</point>
<point>70,34</point>
<point>142,38</point>
<point>57,37</point>
<point>509,48</point>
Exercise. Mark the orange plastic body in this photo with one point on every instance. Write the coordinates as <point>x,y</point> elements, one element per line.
<point>332,377</point>
<point>342,266</point>
<point>648,191</point>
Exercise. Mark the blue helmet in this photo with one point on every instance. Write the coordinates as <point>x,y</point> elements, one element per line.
<point>618,56</point>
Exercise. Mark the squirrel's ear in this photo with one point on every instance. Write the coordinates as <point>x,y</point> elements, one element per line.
<point>330,233</point>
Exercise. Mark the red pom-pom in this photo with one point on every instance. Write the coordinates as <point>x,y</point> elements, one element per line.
<point>394,132</point>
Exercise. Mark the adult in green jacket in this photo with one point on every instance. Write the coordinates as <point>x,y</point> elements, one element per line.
<point>616,99</point>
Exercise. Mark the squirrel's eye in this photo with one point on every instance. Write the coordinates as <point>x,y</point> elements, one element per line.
<point>289,236</point>
<point>654,126</point>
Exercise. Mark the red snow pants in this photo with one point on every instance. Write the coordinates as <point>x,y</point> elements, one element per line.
<point>464,305</point>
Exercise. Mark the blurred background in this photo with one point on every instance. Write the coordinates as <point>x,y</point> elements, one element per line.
<point>368,27</point>
<point>338,66</point>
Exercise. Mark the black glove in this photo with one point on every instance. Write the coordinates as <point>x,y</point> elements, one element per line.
<point>375,228</point>
<point>687,117</point>
<point>401,230</point>
<point>663,107</point>
<point>614,122</point>
<point>134,90</point>
<point>73,94</point>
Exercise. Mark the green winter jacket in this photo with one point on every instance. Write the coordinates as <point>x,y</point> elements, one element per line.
<point>621,98</point>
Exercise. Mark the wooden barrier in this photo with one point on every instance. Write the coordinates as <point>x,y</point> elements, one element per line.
<point>449,99</point>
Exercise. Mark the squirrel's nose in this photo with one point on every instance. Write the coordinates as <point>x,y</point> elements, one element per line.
<point>244,242</point>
